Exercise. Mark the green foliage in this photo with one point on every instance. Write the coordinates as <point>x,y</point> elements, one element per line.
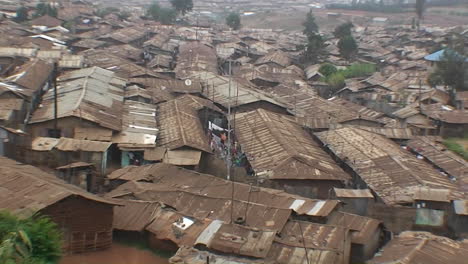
<point>161,14</point>
<point>419,8</point>
<point>452,145</point>
<point>45,9</point>
<point>450,71</point>
<point>310,27</point>
<point>343,30</point>
<point>182,6</point>
<point>337,79</point>
<point>233,20</point>
<point>314,48</point>
<point>347,47</point>
<point>31,240</point>
<point>327,69</point>
<point>21,14</point>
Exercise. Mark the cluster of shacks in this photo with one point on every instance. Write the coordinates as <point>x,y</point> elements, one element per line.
<point>154,117</point>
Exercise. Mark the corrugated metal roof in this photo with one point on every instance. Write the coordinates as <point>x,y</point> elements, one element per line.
<point>176,178</point>
<point>422,247</point>
<point>441,157</point>
<point>429,194</point>
<point>205,206</point>
<point>25,189</point>
<point>195,57</point>
<point>180,126</point>
<point>363,227</point>
<point>391,172</point>
<point>277,57</point>
<point>353,193</point>
<point>93,94</point>
<point>138,124</point>
<point>275,145</point>
<point>217,90</point>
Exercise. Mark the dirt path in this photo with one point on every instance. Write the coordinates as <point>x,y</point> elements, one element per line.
<point>118,254</point>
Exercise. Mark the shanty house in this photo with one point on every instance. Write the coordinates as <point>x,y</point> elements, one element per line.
<point>22,90</point>
<point>53,153</point>
<point>87,98</point>
<point>393,174</point>
<point>285,156</point>
<point>85,219</point>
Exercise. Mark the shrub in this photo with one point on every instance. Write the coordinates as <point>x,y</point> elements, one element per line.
<point>327,69</point>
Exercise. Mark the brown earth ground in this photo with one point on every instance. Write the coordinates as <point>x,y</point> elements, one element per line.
<point>288,20</point>
<point>118,254</point>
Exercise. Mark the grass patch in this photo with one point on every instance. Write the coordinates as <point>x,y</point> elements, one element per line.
<point>452,144</point>
<point>336,79</point>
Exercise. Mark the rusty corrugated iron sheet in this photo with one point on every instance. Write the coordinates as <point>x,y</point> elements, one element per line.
<point>25,189</point>
<point>390,171</point>
<point>422,247</point>
<point>176,178</point>
<point>279,148</point>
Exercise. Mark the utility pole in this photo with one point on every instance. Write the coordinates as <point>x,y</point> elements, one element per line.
<point>56,134</point>
<point>228,160</point>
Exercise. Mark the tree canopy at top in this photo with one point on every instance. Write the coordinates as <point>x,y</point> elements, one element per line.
<point>182,6</point>
<point>310,27</point>
<point>233,20</point>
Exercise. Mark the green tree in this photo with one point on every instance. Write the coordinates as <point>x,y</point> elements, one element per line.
<point>123,15</point>
<point>327,69</point>
<point>161,14</point>
<point>45,9</point>
<point>419,9</point>
<point>182,6</point>
<point>450,71</point>
<point>347,47</point>
<point>313,49</point>
<point>233,20</point>
<point>21,14</point>
<point>35,239</point>
<point>343,30</point>
<point>310,27</point>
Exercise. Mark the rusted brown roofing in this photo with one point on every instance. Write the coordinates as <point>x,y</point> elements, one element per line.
<point>31,76</point>
<point>445,114</point>
<point>197,103</point>
<point>277,57</point>
<point>439,155</point>
<point>89,43</point>
<point>176,178</point>
<point>125,51</point>
<point>180,126</point>
<point>237,239</point>
<point>134,215</point>
<point>279,148</point>
<point>194,57</point>
<point>157,92</point>
<point>47,21</point>
<point>122,67</point>
<point>390,132</point>
<point>422,247</point>
<point>216,88</point>
<point>127,35</point>
<point>178,86</point>
<point>363,227</point>
<point>25,189</point>
<point>391,172</point>
<point>94,94</point>
<point>73,165</point>
<point>204,206</point>
<point>353,193</point>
